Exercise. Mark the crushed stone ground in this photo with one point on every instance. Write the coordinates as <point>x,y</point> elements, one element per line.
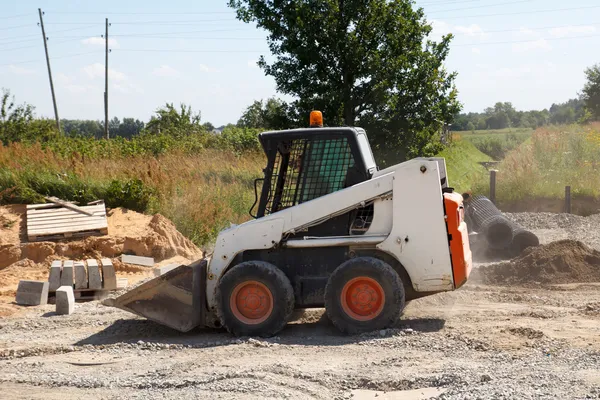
<point>480,342</point>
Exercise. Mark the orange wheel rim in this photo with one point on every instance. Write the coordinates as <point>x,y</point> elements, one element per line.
<point>362,298</point>
<point>251,302</point>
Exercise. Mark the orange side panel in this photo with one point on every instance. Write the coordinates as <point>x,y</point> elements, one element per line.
<point>460,251</point>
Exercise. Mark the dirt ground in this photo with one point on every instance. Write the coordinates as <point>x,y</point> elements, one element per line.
<point>484,341</point>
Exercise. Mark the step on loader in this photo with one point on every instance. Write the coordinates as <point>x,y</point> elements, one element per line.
<point>329,229</point>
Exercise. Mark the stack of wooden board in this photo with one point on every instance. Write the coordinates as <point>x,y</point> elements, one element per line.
<point>91,279</point>
<point>60,219</point>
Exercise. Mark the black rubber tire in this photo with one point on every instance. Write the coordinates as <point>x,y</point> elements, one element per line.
<point>373,268</point>
<point>274,279</point>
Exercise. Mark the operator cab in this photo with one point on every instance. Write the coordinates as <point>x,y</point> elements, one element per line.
<point>307,163</point>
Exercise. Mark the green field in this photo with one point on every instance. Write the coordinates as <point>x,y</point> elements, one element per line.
<point>521,133</point>
<point>497,143</point>
<point>465,174</point>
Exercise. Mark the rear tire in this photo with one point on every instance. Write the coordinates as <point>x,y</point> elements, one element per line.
<point>254,298</point>
<point>364,294</point>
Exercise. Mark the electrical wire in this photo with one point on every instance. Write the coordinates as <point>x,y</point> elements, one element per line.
<point>524,41</point>
<point>489,5</point>
<point>523,12</point>
<point>52,58</point>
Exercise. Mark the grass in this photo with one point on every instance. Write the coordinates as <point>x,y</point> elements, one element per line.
<point>465,174</point>
<point>201,193</point>
<point>497,143</point>
<point>553,158</point>
<point>521,133</point>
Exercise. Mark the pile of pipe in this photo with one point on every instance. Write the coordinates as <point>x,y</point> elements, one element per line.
<point>500,233</point>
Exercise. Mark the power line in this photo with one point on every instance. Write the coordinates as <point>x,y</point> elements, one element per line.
<point>58,31</point>
<point>51,41</point>
<point>486,6</point>
<point>523,12</point>
<point>154,22</point>
<point>16,16</point>
<point>190,37</point>
<point>138,13</point>
<point>181,33</point>
<point>188,51</point>
<point>525,41</point>
<point>52,58</point>
<point>16,26</point>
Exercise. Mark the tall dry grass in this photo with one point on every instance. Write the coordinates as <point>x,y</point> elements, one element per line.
<point>200,193</point>
<point>553,158</point>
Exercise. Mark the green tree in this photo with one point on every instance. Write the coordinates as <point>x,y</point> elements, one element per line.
<point>591,90</point>
<point>169,120</point>
<point>18,122</point>
<point>361,61</point>
<point>272,114</point>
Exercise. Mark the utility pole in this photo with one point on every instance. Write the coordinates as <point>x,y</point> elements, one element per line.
<point>49,71</point>
<point>106,82</point>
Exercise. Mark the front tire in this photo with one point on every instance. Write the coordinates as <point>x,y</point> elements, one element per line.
<point>364,294</point>
<point>254,298</point>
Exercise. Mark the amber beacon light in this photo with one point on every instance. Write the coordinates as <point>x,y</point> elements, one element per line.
<point>316,119</point>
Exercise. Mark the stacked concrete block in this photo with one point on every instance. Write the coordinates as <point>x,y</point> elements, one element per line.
<point>81,276</point>
<point>66,277</point>
<point>108,274</point>
<point>137,260</point>
<point>94,276</point>
<point>65,300</point>
<point>165,268</point>
<point>32,293</point>
<point>54,276</point>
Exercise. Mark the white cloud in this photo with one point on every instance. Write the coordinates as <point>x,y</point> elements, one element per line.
<point>20,70</point>
<point>568,30</point>
<point>476,50</point>
<point>206,68</point>
<point>252,63</point>
<point>527,33</point>
<point>98,41</point>
<point>63,79</point>
<point>126,87</point>
<point>539,44</point>
<point>441,28</point>
<point>471,30</point>
<point>165,71</point>
<point>96,70</point>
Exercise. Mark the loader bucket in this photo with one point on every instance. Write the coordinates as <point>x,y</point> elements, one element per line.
<point>176,299</point>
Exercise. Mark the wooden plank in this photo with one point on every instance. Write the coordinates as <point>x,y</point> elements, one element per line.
<point>65,222</point>
<point>97,208</point>
<point>67,229</point>
<point>68,205</point>
<point>45,206</point>
<point>95,202</point>
<point>36,238</point>
<point>69,214</point>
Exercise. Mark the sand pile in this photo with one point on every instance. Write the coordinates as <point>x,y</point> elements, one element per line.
<point>564,261</point>
<point>129,233</point>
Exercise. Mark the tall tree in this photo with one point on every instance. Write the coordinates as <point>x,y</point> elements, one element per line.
<point>272,114</point>
<point>366,61</point>
<point>591,90</point>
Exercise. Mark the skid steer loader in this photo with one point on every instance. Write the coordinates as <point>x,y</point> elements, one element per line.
<point>329,229</point>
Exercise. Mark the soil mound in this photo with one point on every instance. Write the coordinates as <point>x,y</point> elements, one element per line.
<point>129,233</point>
<point>564,261</point>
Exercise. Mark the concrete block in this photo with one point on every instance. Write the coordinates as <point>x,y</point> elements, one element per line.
<point>32,293</point>
<point>94,276</point>
<point>66,277</point>
<point>81,279</point>
<point>54,276</point>
<point>165,268</point>
<point>65,300</point>
<point>108,274</point>
<point>137,260</point>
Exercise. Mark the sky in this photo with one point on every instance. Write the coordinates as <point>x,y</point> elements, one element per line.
<point>529,52</point>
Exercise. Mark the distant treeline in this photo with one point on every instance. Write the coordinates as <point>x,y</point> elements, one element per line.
<point>504,115</point>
